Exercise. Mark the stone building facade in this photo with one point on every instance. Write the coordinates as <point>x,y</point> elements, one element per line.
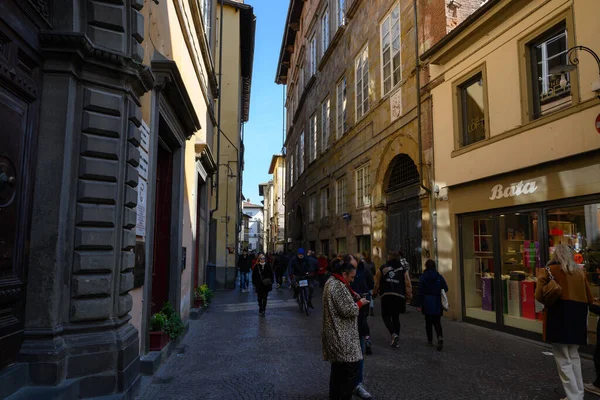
<point>276,200</point>
<point>359,139</point>
<point>106,107</point>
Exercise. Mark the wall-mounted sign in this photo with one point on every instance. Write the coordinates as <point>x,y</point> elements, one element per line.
<point>140,227</point>
<point>515,189</point>
<point>145,137</point>
<point>143,167</point>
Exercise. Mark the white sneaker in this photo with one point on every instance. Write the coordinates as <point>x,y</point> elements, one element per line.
<point>361,392</point>
<point>395,340</point>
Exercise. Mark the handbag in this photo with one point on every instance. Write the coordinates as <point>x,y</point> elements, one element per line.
<point>265,281</point>
<point>445,304</point>
<point>551,291</point>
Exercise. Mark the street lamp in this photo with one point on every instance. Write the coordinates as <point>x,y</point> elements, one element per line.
<point>562,70</point>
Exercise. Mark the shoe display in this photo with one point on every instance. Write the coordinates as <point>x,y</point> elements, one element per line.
<point>591,388</point>
<point>361,392</point>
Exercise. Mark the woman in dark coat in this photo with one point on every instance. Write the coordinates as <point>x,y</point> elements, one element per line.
<point>429,302</point>
<point>262,279</point>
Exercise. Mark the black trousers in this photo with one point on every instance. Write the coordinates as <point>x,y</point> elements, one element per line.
<point>262,300</point>
<point>433,321</point>
<point>391,307</point>
<point>279,274</point>
<point>342,380</point>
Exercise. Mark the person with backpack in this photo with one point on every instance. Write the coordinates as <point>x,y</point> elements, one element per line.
<point>429,302</point>
<point>392,283</point>
<point>262,279</point>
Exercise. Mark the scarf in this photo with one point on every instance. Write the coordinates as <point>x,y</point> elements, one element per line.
<point>341,279</point>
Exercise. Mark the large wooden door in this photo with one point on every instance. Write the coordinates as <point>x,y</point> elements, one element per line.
<point>162,229</point>
<point>19,74</point>
<point>404,231</point>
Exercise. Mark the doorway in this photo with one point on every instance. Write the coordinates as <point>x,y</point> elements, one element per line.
<point>162,227</point>
<point>404,211</point>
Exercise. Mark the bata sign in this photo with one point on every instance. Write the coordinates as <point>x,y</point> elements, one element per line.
<point>515,189</point>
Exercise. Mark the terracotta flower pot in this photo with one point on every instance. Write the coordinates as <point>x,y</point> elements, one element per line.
<point>198,303</point>
<point>158,340</point>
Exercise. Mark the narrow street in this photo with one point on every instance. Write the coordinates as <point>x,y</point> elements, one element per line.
<point>231,353</point>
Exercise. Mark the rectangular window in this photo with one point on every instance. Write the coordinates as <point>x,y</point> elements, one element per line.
<point>390,50</point>
<point>312,138</point>
<point>362,83</point>
<point>472,110</point>
<point>325,122</point>
<point>340,196</point>
<point>363,243</point>
<point>363,187</point>
<point>313,56</point>
<point>312,207</point>
<point>301,154</point>
<point>324,203</point>
<point>341,246</point>
<point>341,12</point>
<point>291,174</point>
<point>207,18</point>
<point>341,109</point>
<point>325,31</point>
<point>548,51</point>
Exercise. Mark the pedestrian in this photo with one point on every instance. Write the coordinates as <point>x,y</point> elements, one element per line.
<point>341,344</point>
<point>565,315</point>
<point>371,266</point>
<point>322,273</point>
<point>244,264</point>
<point>313,265</point>
<point>392,283</point>
<point>262,279</point>
<point>429,302</point>
<point>299,268</point>
<point>594,387</point>
<point>362,284</point>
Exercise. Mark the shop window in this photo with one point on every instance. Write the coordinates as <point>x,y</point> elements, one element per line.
<point>578,227</point>
<point>545,52</point>
<point>341,246</point>
<point>520,255</point>
<point>472,110</point>
<point>478,267</point>
<point>363,243</point>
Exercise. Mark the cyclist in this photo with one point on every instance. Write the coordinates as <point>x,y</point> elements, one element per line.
<point>299,268</point>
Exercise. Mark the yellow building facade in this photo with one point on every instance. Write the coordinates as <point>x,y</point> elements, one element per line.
<point>517,160</point>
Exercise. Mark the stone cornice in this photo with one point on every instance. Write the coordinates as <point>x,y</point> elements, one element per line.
<point>170,83</point>
<point>76,45</point>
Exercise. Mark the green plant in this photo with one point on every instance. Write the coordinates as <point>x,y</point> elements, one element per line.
<point>167,310</point>
<point>174,326</point>
<point>158,322</point>
<point>205,294</point>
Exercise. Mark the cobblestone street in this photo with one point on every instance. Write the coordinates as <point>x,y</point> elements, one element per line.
<point>231,353</point>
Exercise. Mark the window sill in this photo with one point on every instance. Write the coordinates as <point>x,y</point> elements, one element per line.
<point>528,126</point>
<point>363,207</point>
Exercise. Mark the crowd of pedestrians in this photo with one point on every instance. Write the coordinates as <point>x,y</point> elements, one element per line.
<point>351,283</point>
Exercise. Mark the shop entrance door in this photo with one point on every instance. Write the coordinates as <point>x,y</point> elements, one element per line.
<point>162,228</point>
<point>404,231</point>
<point>18,114</point>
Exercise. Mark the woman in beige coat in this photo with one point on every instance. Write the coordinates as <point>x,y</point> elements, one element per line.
<point>341,344</point>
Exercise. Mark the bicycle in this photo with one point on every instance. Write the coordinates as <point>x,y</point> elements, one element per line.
<point>303,294</point>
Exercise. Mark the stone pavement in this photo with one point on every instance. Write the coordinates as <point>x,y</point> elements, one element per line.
<point>230,353</point>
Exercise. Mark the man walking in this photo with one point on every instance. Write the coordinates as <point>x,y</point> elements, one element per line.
<point>244,264</point>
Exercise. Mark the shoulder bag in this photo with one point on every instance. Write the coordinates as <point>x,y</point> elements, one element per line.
<point>552,291</point>
<point>265,281</point>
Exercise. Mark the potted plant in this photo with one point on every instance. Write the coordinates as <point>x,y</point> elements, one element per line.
<point>173,324</point>
<point>158,337</point>
<point>198,298</point>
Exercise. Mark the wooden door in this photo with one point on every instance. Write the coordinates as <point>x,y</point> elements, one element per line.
<point>19,76</point>
<point>404,231</point>
<point>162,229</point>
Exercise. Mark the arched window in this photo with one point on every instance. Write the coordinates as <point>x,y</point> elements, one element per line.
<point>403,173</point>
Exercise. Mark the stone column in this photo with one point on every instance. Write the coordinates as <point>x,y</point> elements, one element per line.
<point>77,335</point>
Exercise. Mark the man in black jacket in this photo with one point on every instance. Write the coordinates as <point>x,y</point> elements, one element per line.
<point>299,267</point>
<point>244,264</point>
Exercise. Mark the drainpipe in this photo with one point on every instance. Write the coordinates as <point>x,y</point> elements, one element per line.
<point>219,109</point>
<point>419,129</point>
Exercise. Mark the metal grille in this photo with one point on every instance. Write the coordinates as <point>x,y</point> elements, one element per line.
<point>404,172</point>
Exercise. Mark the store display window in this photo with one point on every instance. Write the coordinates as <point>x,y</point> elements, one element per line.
<point>478,264</point>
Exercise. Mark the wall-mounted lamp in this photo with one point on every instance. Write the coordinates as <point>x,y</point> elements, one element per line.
<point>563,70</point>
